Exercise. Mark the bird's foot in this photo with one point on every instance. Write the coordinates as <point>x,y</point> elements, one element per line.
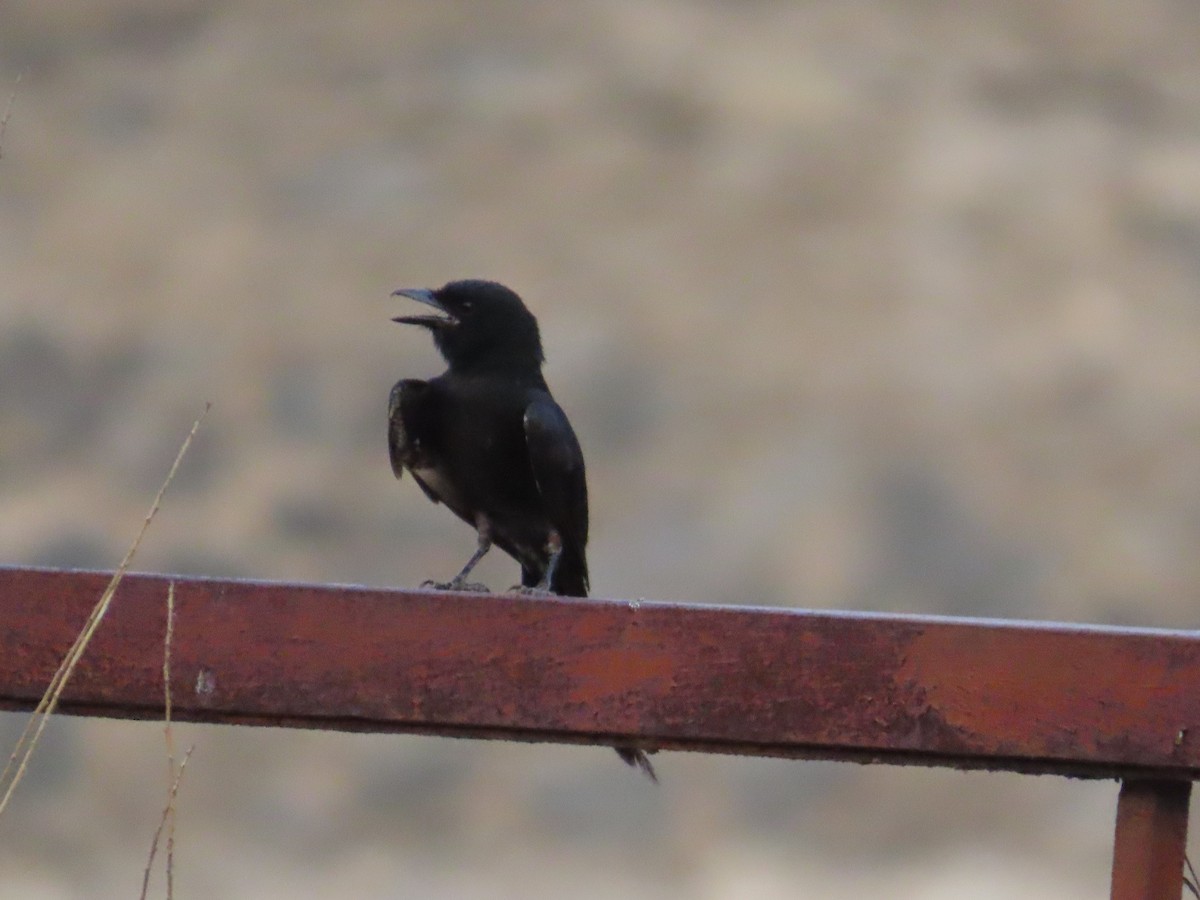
<point>473,586</point>
<point>526,591</point>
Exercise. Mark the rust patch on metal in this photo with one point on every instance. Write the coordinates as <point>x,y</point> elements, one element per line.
<point>1061,692</point>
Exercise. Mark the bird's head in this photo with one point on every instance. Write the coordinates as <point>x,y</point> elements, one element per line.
<point>479,324</point>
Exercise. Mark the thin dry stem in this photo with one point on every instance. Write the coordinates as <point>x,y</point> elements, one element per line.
<point>168,815</point>
<point>49,702</point>
<point>167,682</point>
<point>173,779</point>
<point>8,107</point>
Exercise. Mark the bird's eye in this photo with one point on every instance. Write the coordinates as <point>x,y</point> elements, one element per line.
<point>467,304</point>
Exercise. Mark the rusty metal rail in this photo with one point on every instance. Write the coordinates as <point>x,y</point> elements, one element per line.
<point>1019,696</point>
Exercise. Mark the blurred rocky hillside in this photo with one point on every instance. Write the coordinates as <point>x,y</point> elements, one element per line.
<point>869,305</point>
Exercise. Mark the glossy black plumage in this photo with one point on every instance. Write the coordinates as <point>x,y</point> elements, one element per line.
<point>487,439</point>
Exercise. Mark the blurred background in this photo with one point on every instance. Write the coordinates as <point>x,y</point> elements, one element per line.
<point>869,305</point>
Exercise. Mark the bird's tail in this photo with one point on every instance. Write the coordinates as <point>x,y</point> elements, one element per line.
<point>638,759</point>
<point>571,573</point>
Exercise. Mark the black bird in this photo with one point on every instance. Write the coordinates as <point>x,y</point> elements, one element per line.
<point>487,439</point>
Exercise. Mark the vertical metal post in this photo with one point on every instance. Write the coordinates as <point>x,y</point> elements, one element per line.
<point>1152,818</point>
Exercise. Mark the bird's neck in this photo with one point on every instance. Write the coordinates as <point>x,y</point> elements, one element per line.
<point>492,366</point>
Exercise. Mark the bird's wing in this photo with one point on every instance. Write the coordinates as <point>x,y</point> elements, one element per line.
<point>557,463</point>
<point>397,437</point>
<point>408,437</point>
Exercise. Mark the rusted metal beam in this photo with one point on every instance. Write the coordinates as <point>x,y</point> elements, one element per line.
<point>1085,701</point>
<point>1152,819</point>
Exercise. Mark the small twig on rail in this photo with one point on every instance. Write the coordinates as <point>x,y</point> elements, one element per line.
<point>167,681</point>
<point>49,702</point>
<point>174,777</point>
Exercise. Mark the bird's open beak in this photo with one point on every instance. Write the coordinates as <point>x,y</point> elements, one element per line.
<point>424,295</point>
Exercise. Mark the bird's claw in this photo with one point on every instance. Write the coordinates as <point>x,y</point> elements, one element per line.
<point>472,586</point>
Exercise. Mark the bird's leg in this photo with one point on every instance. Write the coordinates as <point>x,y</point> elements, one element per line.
<point>459,582</point>
<point>554,548</point>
